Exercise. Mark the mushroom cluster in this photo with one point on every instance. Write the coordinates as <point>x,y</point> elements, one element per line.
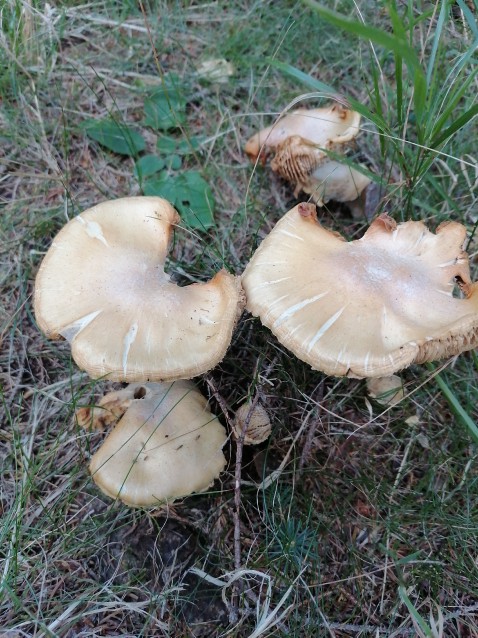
<point>103,287</point>
<point>300,143</point>
<point>364,308</point>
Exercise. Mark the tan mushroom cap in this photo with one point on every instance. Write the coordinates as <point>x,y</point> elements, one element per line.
<point>102,286</point>
<point>323,128</point>
<point>368,307</point>
<point>336,181</point>
<point>252,422</point>
<point>167,445</point>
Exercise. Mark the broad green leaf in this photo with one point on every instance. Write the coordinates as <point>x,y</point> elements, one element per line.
<point>195,201</point>
<point>174,162</point>
<point>161,186</point>
<point>148,165</point>
<point>165,108</point>
<point>189,193</point>
<point>167,144</point>
<point>115,136</point>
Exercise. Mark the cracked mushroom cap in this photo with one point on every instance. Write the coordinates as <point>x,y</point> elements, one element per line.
<point>368,307</point>
<point>102,286</point>
<point>166,445</point>
<point>325,128</point>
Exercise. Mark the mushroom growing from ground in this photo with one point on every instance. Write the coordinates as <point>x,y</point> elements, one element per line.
<point>368,307</point>
<point>300,142</point>
<point>166,445</point>
<point>102,286</point>
<point>252,422</point>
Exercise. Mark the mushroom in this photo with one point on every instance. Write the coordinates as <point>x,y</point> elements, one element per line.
<point>301,142</point>
<point>253,422</point>
<point>166,445</point>
<point>368,307</point>
<point>336,181</point>
<point>325,128</point>
<point>386,390</point>
<point>102,286</point>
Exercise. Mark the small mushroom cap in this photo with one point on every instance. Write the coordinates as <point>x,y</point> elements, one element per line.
<point>386,390</point>
<point>336,181</point>
<point>102,286</point>
<point>257,421</point>
<point>368,307</point>
<point>324,128</point>
<point>167,445</point>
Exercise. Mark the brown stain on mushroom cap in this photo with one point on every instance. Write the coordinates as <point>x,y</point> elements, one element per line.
<point>368,307</point>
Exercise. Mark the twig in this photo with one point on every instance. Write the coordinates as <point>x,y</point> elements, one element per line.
<point>234,610</point>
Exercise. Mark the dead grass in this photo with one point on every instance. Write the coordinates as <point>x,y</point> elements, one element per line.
<point>348,505</point>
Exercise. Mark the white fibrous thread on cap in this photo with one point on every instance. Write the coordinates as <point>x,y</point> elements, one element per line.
<point>128,341</point>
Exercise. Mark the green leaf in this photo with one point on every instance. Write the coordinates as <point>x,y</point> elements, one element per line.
<point>189,193</point>
<point>165,108</point>
<point>174,162</point>
<point>167,144</point>
<point>115,136</point>
<point>161,186</point>
<point>469,17</point>
<point>148,165</point>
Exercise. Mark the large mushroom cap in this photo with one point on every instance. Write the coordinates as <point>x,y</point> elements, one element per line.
<point>166,445</point>
<point>324,128</point>
<point>102,286</point>
<point>368,307</point>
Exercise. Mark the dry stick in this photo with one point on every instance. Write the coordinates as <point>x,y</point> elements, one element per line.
<point>234,611</point>
<point>236,589</point>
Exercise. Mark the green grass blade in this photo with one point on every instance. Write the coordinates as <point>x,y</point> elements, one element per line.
<point>436,41</point>
<point>302,77</point>
<point>468,17</point>
<point>399,89</point>
<point>364,31</point>
<point>414,612</point>
<point>317,85</point>
<point>455,405</point>
<point>451,103</point>
<point>459,123</point>
<point>397,45</point>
